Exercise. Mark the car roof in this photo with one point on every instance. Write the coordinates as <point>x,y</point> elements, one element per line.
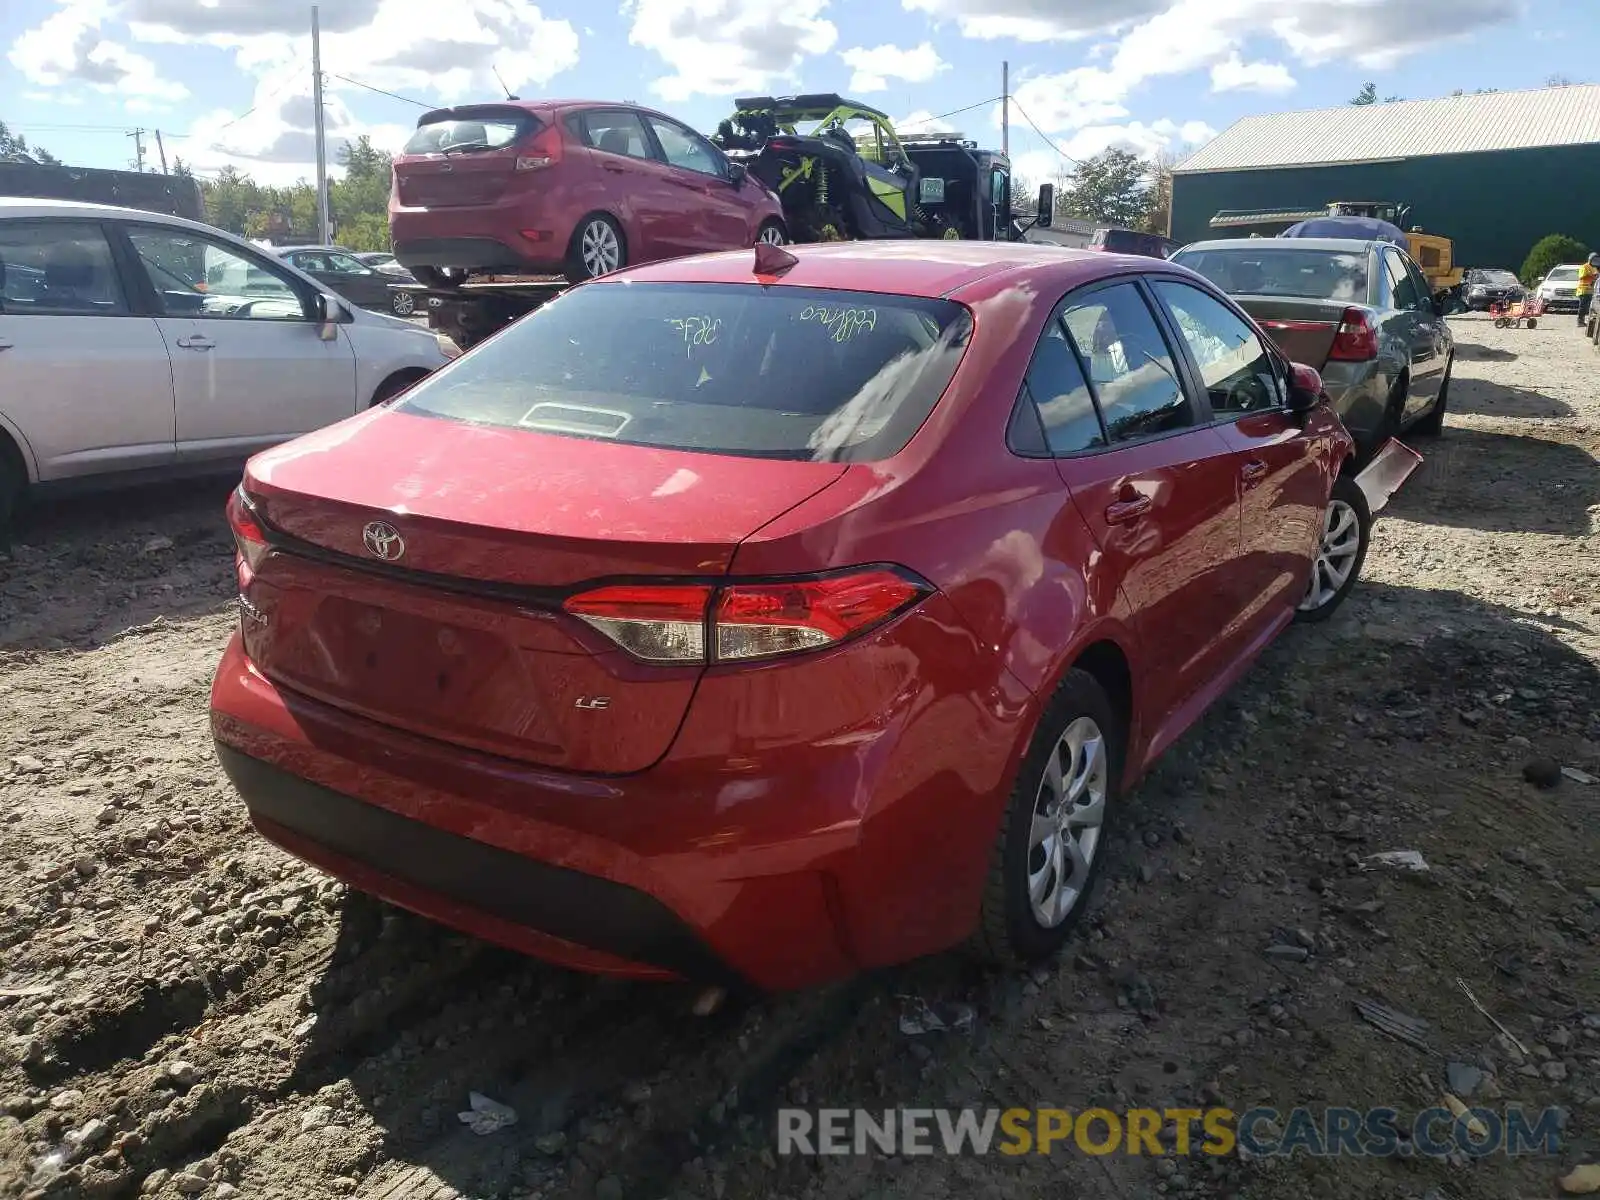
<point>906,268</point>
<point>1275,243</point>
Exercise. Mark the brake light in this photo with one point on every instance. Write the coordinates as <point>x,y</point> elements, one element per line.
<point>543,149</point>
<point>1356,339</point>
<point>741,622</point>
<point>248,537</point>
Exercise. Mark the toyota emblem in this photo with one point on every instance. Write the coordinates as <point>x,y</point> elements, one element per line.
<point>383,540</point>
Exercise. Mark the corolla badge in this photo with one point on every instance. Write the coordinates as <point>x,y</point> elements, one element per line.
<point>383,540</point>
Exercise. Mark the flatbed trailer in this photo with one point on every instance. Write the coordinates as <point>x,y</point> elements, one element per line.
<point>469,312</point>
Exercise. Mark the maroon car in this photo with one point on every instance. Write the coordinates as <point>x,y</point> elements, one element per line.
<point>765,617</point>
<point>571,187</point>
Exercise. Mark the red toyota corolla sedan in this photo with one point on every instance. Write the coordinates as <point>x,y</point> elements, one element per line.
<point>762,628</point>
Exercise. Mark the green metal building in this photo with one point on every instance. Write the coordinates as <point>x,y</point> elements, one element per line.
<point>1493,172</point>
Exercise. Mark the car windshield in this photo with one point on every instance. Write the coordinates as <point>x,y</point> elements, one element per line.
<point>469,133</point>
<point>1495,278</point>
<point>792,373</point>
<point>1257,271</point>
<point>1561,274</point>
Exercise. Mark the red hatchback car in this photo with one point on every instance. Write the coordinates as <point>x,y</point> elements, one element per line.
<point>765,628</point>
<point>574,187</point>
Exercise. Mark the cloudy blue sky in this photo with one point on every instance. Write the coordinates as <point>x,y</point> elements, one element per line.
<point>229,81</point>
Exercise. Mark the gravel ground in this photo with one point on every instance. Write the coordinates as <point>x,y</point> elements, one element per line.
<point>185,1011</point>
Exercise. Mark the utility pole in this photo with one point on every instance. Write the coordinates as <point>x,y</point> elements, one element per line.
<point>163,151</point>
<point>1005,109</point>
<point>323,234</point>
<point>138,149</point>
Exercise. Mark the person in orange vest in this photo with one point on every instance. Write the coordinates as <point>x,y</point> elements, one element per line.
<point>1587,274</point>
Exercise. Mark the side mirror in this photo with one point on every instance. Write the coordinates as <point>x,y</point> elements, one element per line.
<point>737,174</point>
<point>1047,207</point>
<point>326,314</point>
<point>1305,389</point>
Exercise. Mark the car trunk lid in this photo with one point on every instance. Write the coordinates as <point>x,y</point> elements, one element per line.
<point>457,631</point>
<point>1303,328</point>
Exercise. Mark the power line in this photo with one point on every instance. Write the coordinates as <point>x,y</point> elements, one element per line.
<point>380,91</point>
<point>955,112</point>
<point>1043,136</point>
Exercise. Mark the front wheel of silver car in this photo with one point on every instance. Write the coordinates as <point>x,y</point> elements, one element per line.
<point>1053,836</point>
<point>1342,539</point>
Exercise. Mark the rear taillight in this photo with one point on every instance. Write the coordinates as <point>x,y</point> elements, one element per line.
<point>541,150</point>
<point>1356,339</point>
<point>248,537</point>
<point>741,622</point>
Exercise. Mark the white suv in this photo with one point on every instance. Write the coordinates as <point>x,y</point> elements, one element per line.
<point>1559,289</point>
<point>135,345</point>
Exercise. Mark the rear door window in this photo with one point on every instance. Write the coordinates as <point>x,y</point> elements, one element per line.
<point>615,131</point>
<point>1061,393</point>
<point>61,268</point>
<point>784,372</point>
<point>1404,287</point>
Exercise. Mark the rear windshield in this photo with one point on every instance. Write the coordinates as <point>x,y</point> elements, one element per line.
<point>489,132</point>
<point>792,373</point>
<point>1253,271</point>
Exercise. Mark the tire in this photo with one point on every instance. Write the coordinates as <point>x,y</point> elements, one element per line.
<point>440,277</point>
<point>772,232</point>
<point>1432,425</point>
<point>1533,322</point>
<point>1388,424</point>
<point>1010,929</point>
<point>403,304</point>
<point>588,256</point>
<point>1349,501</point>
<point>13,480</point>
<point>394,385</point>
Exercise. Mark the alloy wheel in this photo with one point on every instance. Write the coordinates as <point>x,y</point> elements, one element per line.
<point>1336,555</point>
<point>404,304</point>
<point>600,249</point>
<point>772,236</point>
<point>1068,815</point>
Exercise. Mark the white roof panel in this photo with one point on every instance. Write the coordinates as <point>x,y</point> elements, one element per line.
<point>1560,116</point>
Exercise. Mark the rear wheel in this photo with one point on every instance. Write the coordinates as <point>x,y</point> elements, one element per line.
<point>597,248</point>
<point>1053,835</point>
<point>772,234</point>
<point>404,304</point>
<point>1341,550</point>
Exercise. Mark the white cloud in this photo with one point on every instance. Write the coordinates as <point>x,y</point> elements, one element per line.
<point>68,48</point>
<point>1236,75</point>
<point>876,66</point>
<point>733,47</point>
<point>399,45</point>
<point>275,141</point>
<point>922,121</point>
<point>1036,20</point>
<point>1147,141</point>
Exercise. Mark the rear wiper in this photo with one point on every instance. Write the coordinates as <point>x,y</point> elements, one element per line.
<point>465,148</point>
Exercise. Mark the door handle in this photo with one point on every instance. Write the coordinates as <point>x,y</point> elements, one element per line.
<point>1253,473</point>
<point>196,341</point>
<point>618,168</point>
<point>1124,511</point>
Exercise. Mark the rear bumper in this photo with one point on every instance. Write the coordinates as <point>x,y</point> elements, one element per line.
<point>859,838</point>
<point>408,861</point>
<point>481,237</point>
